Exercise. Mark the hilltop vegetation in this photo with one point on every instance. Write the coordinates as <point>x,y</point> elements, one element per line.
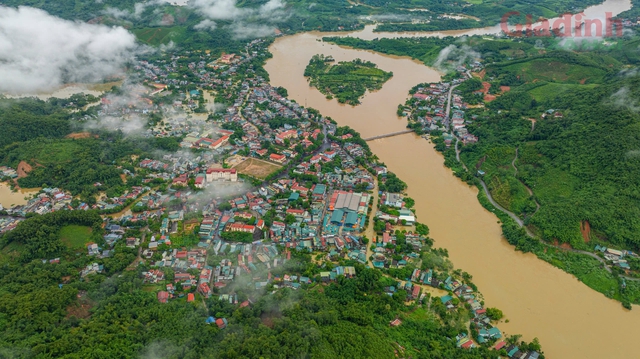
<point>30,118</point>
<point>346,81</point>
<point>161,23</point>
<point>577,158</point>
<point>479,13</point>
<point>554,66</point>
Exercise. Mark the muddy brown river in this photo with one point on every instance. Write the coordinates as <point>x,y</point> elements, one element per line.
<point>9,198</point>
<point>570,319</point>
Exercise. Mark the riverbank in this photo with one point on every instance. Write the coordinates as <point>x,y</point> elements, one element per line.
<point>538,299</point>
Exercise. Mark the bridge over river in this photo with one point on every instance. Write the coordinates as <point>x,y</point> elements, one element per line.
<point>388,135</point>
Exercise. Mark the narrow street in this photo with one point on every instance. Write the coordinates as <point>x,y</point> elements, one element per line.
<point>448,109</point>
<point>369,232</point>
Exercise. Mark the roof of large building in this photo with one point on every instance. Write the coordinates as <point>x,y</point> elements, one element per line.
<point>354,202</point>
<point>216,170</point>
<point>337,215</point>
<point>319,189</point>
<point>352,219</point>
<point>349,201</point>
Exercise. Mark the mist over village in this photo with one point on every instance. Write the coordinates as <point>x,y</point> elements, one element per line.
<point>319,179</point>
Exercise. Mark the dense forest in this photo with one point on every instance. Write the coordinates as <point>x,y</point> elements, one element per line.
<point>578,157</point>
<point>38,236</point>
<point>30,118</point>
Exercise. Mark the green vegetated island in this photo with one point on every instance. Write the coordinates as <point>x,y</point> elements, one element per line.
<point>347,81</point>
<point>550,128</point>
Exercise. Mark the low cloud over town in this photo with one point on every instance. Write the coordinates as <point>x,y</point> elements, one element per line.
<point>56,51</point>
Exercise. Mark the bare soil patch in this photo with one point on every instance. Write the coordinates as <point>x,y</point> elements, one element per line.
<point>256,168</point>
<point>78,135</point>
<point>81,308</point>
<point>585,229</point>
<point>23,169</point>
<point>485,89</point>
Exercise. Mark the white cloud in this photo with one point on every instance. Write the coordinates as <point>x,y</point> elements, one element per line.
<point>138,9</point>
<point>244,19</point>
<point>624,99</point>
<point>219,9</point>
<point>116,13</point>
<point>272,5</point>
<point>129,97</point>
<point>246,31</point>
<point>633,154</point>
<point>228,10</point>
<point>130,126</point>
<point>453,56</point>
<point>206,25</point>
<point>629,72</point>
<point>39,52</point>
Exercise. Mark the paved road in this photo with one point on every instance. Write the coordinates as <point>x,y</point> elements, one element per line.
<point>530,234</point>
<point>448,110</point>
<point>513,216</point>
<point>520,222</point>
<point>513,164</point>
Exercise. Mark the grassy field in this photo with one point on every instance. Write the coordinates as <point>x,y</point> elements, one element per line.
<point>158,35</point>
<point>553,70</point>
<point>256,168</point>
<point>10,252</point>
<point>552,90</point>
<point>75,237</point>
<point>421,314</point>
<point>50,152</point>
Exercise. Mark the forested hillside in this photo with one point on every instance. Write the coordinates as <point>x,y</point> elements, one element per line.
<point>31,118</point>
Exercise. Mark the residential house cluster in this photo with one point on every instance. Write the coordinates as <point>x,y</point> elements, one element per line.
<point>8,172</point>
<point>48,200</point>
<point>385,255</point>
<point>616,256</point>
<point>8,223</point>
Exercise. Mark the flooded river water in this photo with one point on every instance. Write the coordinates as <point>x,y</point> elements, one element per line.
<point>570,319</point>
<point>8,198</point>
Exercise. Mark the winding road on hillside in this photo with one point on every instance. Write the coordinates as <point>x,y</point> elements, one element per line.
<point>520,223</point>
<point>515,174</point>
<point>513,216</point>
